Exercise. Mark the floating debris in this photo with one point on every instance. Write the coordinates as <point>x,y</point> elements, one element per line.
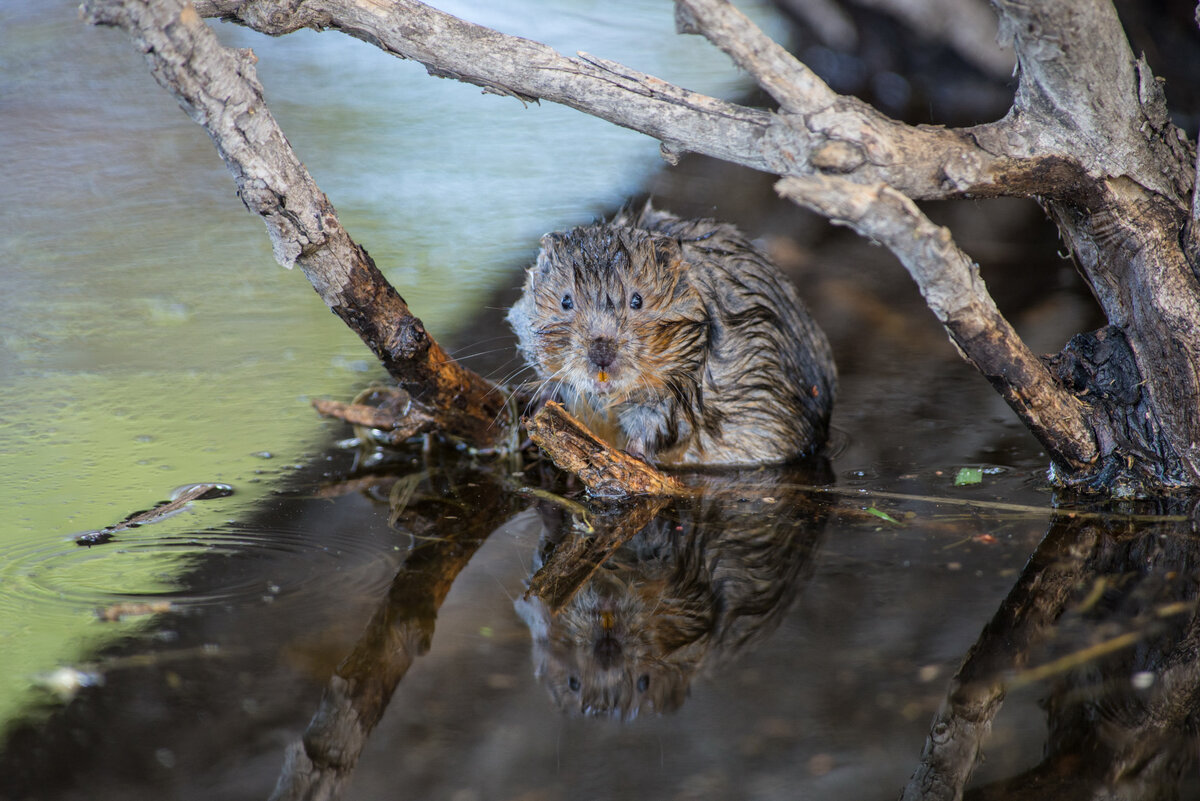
<point>66,682</point>
<point>968,476</point>
<point>882,515</point>
<point>180,498</point>
<point>114,612</point>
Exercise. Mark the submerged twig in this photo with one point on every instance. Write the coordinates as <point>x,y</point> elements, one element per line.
<point>179,500</point>
<point>404,423</point>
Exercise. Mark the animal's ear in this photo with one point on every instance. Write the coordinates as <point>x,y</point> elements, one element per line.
<point>667,251</point>
<point>550,246</point>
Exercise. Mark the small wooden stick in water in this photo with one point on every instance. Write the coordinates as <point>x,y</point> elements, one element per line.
<point>606,471</point>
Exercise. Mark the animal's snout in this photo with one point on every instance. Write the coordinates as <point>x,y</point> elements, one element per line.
<point>602,351</point>
<point>607,652</point>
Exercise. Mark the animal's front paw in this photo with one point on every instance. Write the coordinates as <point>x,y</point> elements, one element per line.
<point>638,450</point>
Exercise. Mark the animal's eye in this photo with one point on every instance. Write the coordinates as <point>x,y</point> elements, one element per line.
<point>573,683</point>
<point>568,302</point>
<point>635,302</point>
<point>643,683</point>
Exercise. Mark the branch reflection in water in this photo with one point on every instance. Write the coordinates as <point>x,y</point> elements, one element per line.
<point>676,588</point>
<point>449,511</point>
<point>1104,617</point>
<point>629,604</point>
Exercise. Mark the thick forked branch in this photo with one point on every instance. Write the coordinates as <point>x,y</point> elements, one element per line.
<point>819,129</point>
<point>1120,188</point>
<point>217,87</point>
<point>954,291</point>
<point>1082,93</point>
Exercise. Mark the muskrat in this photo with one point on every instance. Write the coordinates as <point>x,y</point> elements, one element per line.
<point>682,331</point>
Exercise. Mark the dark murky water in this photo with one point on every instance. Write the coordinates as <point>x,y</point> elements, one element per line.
<point>790,634</point>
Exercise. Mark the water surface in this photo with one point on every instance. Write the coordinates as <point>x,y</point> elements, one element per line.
<point>149,342</point>
<point>147,338</point>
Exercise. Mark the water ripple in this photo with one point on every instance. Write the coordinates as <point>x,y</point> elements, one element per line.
<point>230,565</point>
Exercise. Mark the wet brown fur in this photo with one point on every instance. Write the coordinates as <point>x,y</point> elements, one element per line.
<point>721,364</point>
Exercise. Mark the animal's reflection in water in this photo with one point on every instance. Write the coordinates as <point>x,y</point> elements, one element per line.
<point>702,581</point>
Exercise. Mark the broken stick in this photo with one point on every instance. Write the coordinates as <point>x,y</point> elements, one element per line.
<point>606,471</point>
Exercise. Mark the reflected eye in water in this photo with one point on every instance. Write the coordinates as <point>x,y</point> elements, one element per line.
<point>573,684</point>
<point>643,683</point>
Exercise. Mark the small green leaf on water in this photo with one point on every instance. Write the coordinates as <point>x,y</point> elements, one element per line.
<point>882,515</point>
<point>968,475</point>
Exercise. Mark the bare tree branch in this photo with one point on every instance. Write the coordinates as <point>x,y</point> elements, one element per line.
<point>790,82</point>
<point>1083,94</point>
<point>950,282</point>
<point>218,88</point>
<point>1088,135</point>
<point>606,471</point>
<point>824,130</point>
<point>508,65</point>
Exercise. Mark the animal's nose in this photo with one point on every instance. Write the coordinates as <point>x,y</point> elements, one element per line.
<point>602,352</point>
<point>607,651</point>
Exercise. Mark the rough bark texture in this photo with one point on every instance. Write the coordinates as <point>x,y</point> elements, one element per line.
<point>1088,135</point>
<point>817,128</point>
<point>952,287</point>
<point>1083,95</point>
<point>607,473</point>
